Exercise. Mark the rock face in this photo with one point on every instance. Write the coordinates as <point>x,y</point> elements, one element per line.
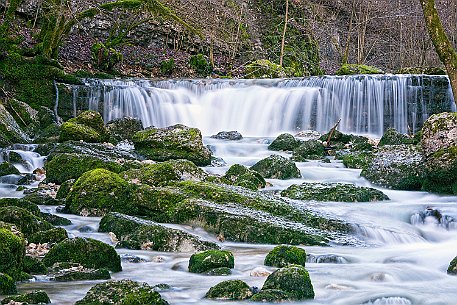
<point>396,166</point>
<point>122,292</point>
<point>293,280</point>
<point>282,256</point>
<point>136,233</point>
<point>174,142</point>
<point>228,135</point>
<point>285,141</point>
<point>207,260</point>
<point>277,167</point>
<point>439,143</point>
<point>123,129</point>
<point>88,127</point>
<point>242,176</point>
<point>229,290</point>
<point>341,192</point>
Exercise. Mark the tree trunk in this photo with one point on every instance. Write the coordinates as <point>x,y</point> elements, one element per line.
<point>284,33</point>
<point>443,45</point>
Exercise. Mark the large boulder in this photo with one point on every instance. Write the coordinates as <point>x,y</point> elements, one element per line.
<point>88,127</point>
<point>293,280</point>
<point>285,141</point>
<point>25,221</point>
<point>309,150</point>
<point>34,297</point>
<point>174,142</point>
<point>12,252</point>
<point>123,128</point>
<point>122,292</point>
<point>136,233</point>
<point>393,137</point>
<point>211,259</point>
<point>87,252</point>
<point>242,176</point>
<point>438,132</point>
<point>396,166</point>
<point>230,290</point>
<point>277,167</point>
<point>282,256</point>
<point>341,192</point>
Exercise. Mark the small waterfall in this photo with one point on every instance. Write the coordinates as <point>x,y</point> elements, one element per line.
<point>366,104</point>
<point>23,157</point>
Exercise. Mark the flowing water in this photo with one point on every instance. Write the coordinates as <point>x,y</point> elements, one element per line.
<point>404,261</point>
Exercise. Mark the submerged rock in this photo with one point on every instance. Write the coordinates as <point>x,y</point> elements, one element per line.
<point>228,135</point>
<point>174,142</point>
<point>340,192</point>
<point>293,280</point>
<point>230,290</point>
<point>282,256</point>
<point>211,259</point>
<point>277,167</point>
<point>88,127</point>
<point>285,142</point>
<point>309,150</point>
<point>240,175</point>
<point>122,292</point>
<point>34,297</point>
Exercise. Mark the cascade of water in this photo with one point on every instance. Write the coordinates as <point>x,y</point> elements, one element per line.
<point>366,104</point>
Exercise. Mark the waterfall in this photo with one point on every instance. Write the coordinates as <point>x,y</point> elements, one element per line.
<point>366,104</point>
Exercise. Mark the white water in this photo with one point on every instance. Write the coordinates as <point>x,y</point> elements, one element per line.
<point>365,104</point>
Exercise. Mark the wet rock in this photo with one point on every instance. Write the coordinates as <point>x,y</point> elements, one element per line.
<point>396,166</point>
<point>228,135</point>
<point>136,233</point>
<point>7,284</point>
<point>88,127</point>
<point>270,296</point>
<point>88,252</point>
<point>207,260</point>
<point>132,258</point>
<point>340,192</point>
<point>393,137</point>
<point>122,292</point>
<point>282,256</point>
<point>309,150</point>
<point>219,271</point>
<point>242,176</point>
<point>285,142</point>
<point>340,140</point>
<point>41,198</point>
<point>52,236</point>
<point>25,221</point>
<point>174,142</point>
<point>33,265</point>
<point>12,251</point>
<point>293,280</point>
<point>7,168</point>
<point>433,216</point>
<point>37,250</point>
<point>452,269</point>
<point>326,259</point>
<point>308,134</point>
<point>277,167</point>
<point>230,290</point>
<point>55,220</point>
<point>123,129</point>
<point>65,188</point>
<point>34,297</point>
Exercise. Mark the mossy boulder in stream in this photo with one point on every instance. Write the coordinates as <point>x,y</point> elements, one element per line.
<point>277,167</point>
<point>88,252</point>
<point>123,292</point>
<point>174,142</point>
<point>88,127</point>
<point>242,176</point>
<point>33,265</point>
<point>393,137</point>
<point>293,280</point>
<point>211,259</point>
<point>352,69</point>
<point>356,159</point>
<point>12,252</point>
<point>340,192</point>
<point>136,233</point>
<point>340,140</point>
<point>34,297</point>
<point>52,236</point>
<point>7,284</point>
<point>438,132</point>
<point>7,168</point>
<point>20,203</point>
<point>230,290</point>
<point>25,221</point>
<point>285,141</point>
<point>309,150</point>
<point>282,256</point>
<point>65,272</point>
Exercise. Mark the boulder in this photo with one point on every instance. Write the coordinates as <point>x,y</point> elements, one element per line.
<point>285,142</point>
<point>452,269</point>
<point>229,290</point>
<point>123,128</point>
<point>52,236</point>
<point>12,252</point>
<point>340,140</point>
<point>340,192</point>
<point>309,150</point>
<point>25,221</point>
<point>240,175</point>
<point>207,260</point>
<point>65,272</point>
<point>7,284</point>
<point>34,297</point>
<point>33,265</point>
<point>282,256</point>
<point>396,166</point>
<point>293,280</point>
<point>277,167</point>
<point>174,142</point>
<point>7,168</point>
<point>270,296</point>
<point>393,137</point>
<point>88,252</point>
<point>122,292</point>
<point>228,135</point>
<point>356,159</point>
<point>438,132</point>
<point>20,203</point>
<point>88,127</point>
<point>41,198</point>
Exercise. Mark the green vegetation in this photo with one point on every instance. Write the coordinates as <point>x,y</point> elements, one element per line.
<point>263,68</point>
<point>351,69</point>
<point>7,284</point>
<point>12,251</point>
<point>240,175</point>
<point>309,150</point>
<point>167,66</point>
<point>53,236</point>
<point>200,65</point>
<point>285,141</point>
<point>34,297</point>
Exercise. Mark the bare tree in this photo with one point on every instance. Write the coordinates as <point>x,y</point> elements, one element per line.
<point>284,32</point>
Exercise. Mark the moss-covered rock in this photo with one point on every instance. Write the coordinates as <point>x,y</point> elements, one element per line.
<point>10,131</point>
<point>20,203</point>
<point>341,192</point>
<point>34,297</point>
<point>75,272</point>
<point>174,142</point>
<point>7,168</point>
<point>309,150</point>
<point>441,171</point>
<point>396,166</point>
<point>270,296</point>
<point>41,199</point>
<point>340,140</point>
<point>124,292</point>
<point>136,233</point>
<point>229,290</point>
<point>98,192</point>
<point>282,256</point>
<point>228,135</point>
<point>53,236</point>
<point>277,167</point>
<point>12,252</point>
<point>32,265</point>
<point>7,284</point>
<point>393,137</point>
<point>357,159</point>
<point>25,221</point>
<point>438,132</point>
<point>219,271</point>
<point>55,220</point>
<point>88,127</point>
<point>123,129</point>
<point>293,280</point>
<point>452,269</point>
<point>242,176</point>
<point>204,261</point>
<point>351,69</point>
<point>285,141</point>
<point>65,189</point>
<point>88,252</point>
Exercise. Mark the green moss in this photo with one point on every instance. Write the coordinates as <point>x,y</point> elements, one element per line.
<point>25,221</point>
<point>33,265</point>
<point>72,131</point>
<point>351,69</point>
<point>357,159</point>
<point>41,199</point>
<point>264,68</point>
<point>309,150</point>
<point>65,188</point>
<point>50,236</point>
<point>55,220</point>
<point>34,297</point>
<point>167,66</point>
<point>20,203</point>
<point>277,167</point>
<point>200,65</point>
<point>393,137</point>
<point>204,261</point>
<point>88,252</point>
<point>219,271</point>
<point>229,290</point>
<point>441,171</point>
<point>7,284</point>
<point>242,176</point>
<point>452,269</point>
<point>282,256</point>
<point>293,280</point>
<point>12,252</point>
<point>7,168</point>
<point>285,141</point>
<point>270,296</point>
